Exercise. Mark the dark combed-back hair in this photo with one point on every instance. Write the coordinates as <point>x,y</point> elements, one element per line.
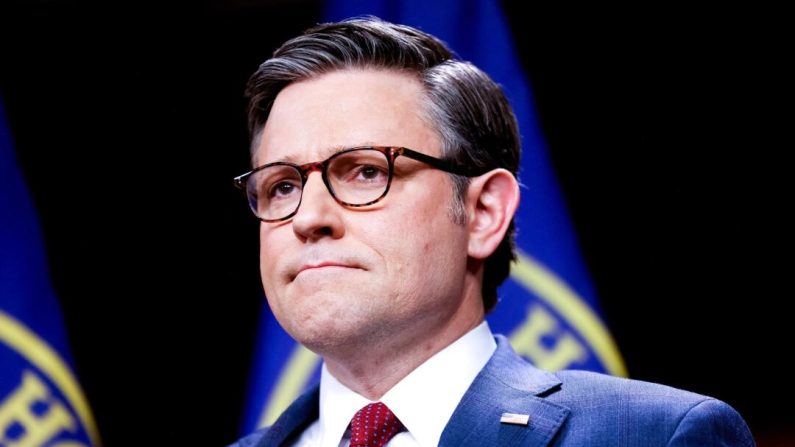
<point>468,109</point>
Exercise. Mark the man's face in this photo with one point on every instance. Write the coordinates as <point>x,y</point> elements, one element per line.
<point>392,272</point>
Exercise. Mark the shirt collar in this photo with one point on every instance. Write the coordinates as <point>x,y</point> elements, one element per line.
<point>338,404</point>
<point>424,400</point>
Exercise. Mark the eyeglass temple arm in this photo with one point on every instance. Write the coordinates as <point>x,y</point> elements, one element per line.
<point>438,163</point>
<point>239,180</point>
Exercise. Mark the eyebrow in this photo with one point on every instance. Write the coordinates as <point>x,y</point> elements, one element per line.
<point>330,151</point>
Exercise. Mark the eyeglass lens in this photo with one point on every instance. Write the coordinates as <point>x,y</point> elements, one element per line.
<point>356,177</point>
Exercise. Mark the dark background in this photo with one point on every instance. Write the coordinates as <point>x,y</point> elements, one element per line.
<point>129,124</point>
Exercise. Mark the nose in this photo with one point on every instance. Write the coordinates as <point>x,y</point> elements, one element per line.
<point>318,216</point>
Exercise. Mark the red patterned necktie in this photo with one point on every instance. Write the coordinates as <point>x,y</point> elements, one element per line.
<point>373,426</point>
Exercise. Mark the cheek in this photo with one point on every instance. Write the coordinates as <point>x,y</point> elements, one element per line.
<point>417,249</point>
<point>271,247</point>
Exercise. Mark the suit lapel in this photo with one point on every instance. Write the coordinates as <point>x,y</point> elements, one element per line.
<point>507,384</point>
<point>292,422</point>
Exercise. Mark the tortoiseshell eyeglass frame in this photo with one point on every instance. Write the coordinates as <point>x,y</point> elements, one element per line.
<point>390,152</point>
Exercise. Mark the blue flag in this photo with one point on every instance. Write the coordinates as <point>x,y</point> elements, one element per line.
<point>548,307</point>
<point>41,402</point>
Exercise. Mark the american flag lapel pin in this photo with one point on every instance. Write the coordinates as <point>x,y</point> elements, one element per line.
<point>515,419</point>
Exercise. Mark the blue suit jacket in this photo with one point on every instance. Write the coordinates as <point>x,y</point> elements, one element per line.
<point>567,408</point>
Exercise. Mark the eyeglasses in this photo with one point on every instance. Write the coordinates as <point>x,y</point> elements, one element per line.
<point>355,177</point>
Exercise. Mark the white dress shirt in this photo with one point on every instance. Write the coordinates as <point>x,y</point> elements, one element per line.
<point>424,400</point>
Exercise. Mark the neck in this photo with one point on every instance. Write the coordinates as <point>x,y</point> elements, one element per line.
<point>374,369</point>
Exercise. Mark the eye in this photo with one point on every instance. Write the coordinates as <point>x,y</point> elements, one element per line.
<point>369,173</point>
<point>360,169</point>
<point>283,189</point>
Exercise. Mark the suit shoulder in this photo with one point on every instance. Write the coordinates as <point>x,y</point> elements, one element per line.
<point>606,410</point>
<point>673,414</point>
<point>251,439</point>
<point>598,388</point>
<point>599,384</point>
<point>709,423</point>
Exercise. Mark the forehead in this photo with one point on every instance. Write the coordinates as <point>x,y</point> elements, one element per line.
<point>313,118</point>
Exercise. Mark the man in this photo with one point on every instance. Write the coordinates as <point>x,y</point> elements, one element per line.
<point>385,180</point>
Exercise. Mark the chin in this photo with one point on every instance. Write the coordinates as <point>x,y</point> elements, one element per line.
<point>319,340</point>
<point>315,326</point>
<point>328,334</point>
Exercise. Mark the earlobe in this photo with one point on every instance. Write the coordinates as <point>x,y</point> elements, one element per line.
<point>493,199</point>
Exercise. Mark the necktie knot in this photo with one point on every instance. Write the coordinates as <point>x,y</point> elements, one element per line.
<point>373,426</point>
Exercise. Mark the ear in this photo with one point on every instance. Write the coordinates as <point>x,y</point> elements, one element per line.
<point>492,200</point>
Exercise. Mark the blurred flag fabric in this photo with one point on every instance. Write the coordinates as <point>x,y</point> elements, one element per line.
<point>548,307</point>
<point>41,402</point>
